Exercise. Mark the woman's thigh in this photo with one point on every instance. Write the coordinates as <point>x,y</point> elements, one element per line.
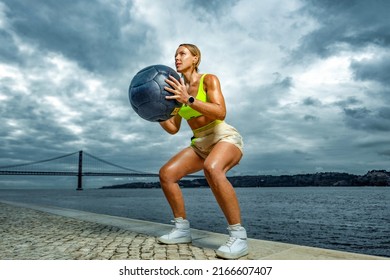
<point>183,163</point>
<point>223,157</point>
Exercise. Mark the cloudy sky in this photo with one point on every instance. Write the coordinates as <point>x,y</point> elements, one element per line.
<point>307,83</point>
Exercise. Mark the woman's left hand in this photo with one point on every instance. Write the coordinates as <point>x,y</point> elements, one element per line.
<point>178,89</point>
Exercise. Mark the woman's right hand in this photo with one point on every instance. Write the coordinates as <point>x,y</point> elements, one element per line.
<point>178,89</point>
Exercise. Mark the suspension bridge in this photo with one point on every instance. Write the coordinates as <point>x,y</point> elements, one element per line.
<point>78,164</point>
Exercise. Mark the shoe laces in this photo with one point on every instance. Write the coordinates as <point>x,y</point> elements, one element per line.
<point>230,241</point>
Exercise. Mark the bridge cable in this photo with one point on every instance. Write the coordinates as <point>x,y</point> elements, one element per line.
<point>115,165</point>
<point>39,161</point>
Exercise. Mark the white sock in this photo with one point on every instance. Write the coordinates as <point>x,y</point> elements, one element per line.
<point>235,227</point>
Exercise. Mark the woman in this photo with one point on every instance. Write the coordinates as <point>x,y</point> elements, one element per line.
<point>216,147</point>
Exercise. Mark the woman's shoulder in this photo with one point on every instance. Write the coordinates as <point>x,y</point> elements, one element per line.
<point>210,81</point>
<point>209,78</point>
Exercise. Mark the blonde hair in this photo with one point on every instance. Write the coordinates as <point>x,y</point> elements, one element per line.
<point>195,51</point>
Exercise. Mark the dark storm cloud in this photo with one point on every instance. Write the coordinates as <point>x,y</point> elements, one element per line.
<point>32,128</point>
<point>346,24</point>
<point>365,119</point>
<point>85,31</point>
<point>349,101</point>
<point>275,89</point>
<point>377,69</point>
<point>268,97</point>
<point>310,101</point>
<point>384,113</point>
<point>310,118</point>
<point>213,7</point>
<point>8,48</point>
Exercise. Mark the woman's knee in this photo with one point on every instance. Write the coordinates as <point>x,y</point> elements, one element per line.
<point>168,174</point>
<point>212,169</point>
<point>164,174</point>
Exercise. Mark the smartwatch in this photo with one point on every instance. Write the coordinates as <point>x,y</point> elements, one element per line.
<point>190,100</point>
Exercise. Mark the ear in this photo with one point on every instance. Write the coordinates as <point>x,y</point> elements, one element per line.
<point>196,59</point>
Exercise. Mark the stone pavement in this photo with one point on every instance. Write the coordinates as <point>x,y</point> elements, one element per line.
<point>31,234</point>
<point>34,232</point>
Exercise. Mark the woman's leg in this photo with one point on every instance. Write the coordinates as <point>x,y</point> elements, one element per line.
<point>222,158</point>
<point>182,164</point>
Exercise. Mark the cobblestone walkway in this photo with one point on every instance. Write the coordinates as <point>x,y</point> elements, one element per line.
<point>27,234</point>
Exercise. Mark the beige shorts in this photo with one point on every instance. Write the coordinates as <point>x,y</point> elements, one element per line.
<point>206,137</point>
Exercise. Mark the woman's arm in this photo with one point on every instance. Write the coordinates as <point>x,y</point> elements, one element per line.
<point>215,108</point>
<point>172,125</point>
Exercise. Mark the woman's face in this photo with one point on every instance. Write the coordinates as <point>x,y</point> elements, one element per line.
<point>184,59</point>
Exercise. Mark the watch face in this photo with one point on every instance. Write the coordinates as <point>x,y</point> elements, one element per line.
<point>191,100</point>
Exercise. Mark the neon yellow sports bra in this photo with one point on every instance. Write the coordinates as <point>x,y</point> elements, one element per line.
<point>186,111</point>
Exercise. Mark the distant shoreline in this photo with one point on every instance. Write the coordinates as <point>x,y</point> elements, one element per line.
<point>379,178</point>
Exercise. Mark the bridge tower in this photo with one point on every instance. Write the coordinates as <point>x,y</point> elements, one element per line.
<point>80,172</point>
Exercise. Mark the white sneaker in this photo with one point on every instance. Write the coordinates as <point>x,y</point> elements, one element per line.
<point>181,233</point>
<point>236,246</point>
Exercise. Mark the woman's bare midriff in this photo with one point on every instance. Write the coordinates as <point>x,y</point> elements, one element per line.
<point>198,122</point>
